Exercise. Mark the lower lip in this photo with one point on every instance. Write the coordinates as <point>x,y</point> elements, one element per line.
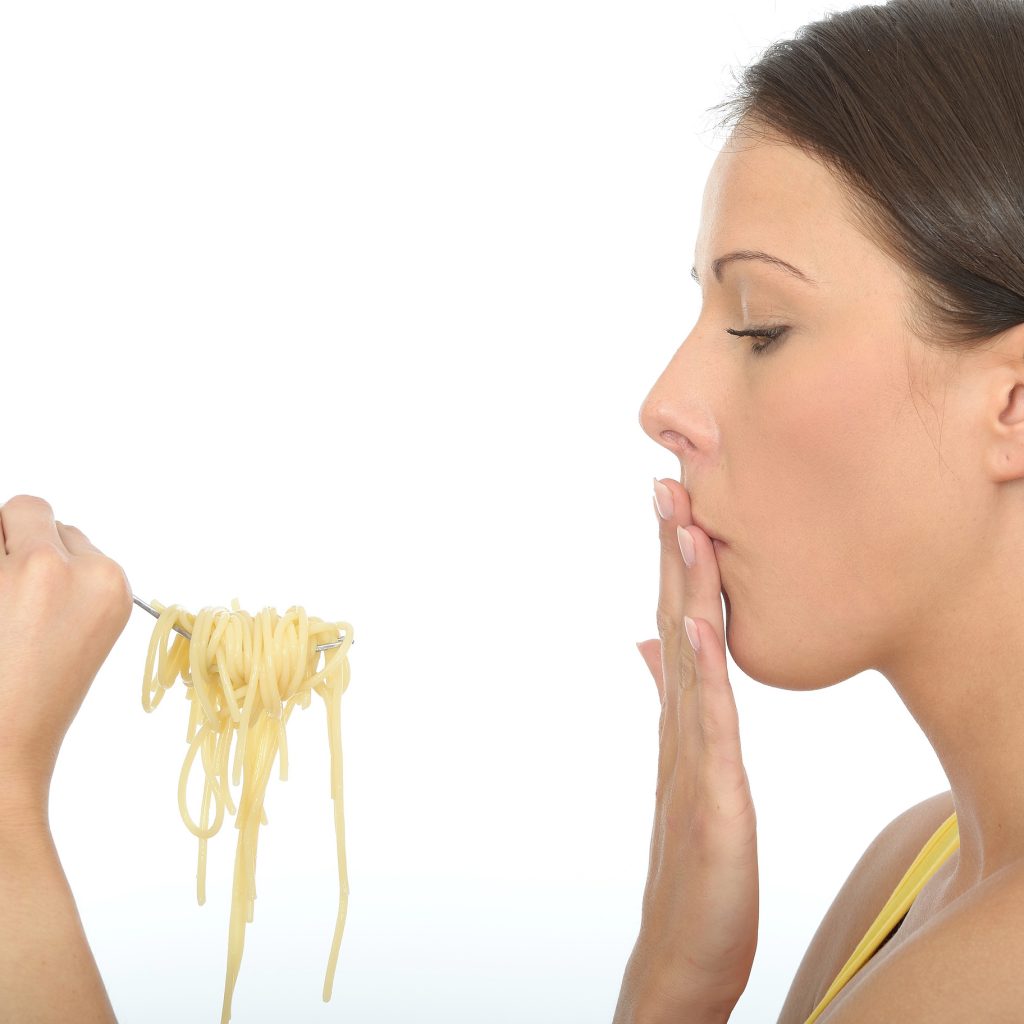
<point>718,544</point>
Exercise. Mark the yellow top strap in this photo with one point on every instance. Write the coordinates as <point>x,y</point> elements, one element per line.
<point>936,852</point>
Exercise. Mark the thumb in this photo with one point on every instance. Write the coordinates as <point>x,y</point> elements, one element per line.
<point>650,651</point>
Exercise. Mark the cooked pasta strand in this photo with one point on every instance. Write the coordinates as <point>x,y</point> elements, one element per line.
<point>247,674</point>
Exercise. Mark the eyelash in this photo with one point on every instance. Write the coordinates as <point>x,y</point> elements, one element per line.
<point>770,334</point>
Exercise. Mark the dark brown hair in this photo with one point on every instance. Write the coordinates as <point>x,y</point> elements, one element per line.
<point>917,107</point>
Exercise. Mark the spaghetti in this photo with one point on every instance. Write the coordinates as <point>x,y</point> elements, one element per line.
<point>247,674</point>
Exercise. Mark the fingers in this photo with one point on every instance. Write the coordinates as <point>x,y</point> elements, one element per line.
<point>117,583</point>
<point>713,710</point>
<point>673,578</point>
<point>694,591</point>
<point>650,651</point>
<point>703,586</point>
<point>672,582</point>
<point>701,601</point>
<point>27,521</point>
<point>720,764</point>
<point>679,728</point>
<point>75,541</point>
<point>720,727</point>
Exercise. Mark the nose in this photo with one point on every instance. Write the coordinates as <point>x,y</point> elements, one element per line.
<point>665,419</point>
<point>676,413</point>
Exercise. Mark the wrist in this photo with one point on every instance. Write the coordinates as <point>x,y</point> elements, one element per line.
<point>24,807</point>
<point>645,1000</point>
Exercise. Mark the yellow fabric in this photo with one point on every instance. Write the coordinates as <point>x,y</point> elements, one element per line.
<point>936,852</point>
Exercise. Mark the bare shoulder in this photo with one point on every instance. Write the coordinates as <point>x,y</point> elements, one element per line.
<point>859,900</point>
<point>962,964</point>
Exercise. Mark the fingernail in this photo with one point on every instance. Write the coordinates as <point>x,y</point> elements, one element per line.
<point>686,545</point>
<point>691,632</point>
<point>663,499</point>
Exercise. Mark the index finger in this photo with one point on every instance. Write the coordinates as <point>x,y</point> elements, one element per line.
<point>28,520</point>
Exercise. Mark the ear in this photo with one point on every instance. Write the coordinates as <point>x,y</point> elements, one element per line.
<point>1001,382</point>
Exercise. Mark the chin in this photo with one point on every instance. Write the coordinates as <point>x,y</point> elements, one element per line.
<point>760,670</point>
<point>765,663</point>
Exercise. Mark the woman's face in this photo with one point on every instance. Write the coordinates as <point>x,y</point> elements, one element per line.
<point>844,466</point>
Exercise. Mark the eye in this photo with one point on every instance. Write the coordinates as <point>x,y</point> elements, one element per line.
<point>770,334</point>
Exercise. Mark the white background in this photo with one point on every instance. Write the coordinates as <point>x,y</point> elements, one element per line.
<point>354,306</point>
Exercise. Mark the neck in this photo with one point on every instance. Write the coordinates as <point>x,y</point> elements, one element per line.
<point>961,678</point>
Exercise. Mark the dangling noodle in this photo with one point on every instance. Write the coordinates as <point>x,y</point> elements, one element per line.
<point>246,675</point>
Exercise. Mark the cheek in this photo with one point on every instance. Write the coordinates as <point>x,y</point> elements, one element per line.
<point>828,448</point>
<point>814,482</point>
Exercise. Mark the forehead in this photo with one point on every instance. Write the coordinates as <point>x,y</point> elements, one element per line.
<point>770,196</point>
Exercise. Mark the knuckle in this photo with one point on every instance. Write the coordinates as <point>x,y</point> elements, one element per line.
<point>668,624</point>
<point>43,577</point>
<point>711,731</point>
<point>31,500</point>
<point>669,538</point>
<point>111,581</point>
<point>43,560</point>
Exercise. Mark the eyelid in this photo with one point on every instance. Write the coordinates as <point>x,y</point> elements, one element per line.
<point>758,332</point>
<point>770,337</point>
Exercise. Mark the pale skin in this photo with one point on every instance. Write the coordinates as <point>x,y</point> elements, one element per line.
<point>63,604</point>
<point>870,488</point>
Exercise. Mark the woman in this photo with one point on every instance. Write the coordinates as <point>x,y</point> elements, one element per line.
<point>862,457</point>
<point>863,468</point>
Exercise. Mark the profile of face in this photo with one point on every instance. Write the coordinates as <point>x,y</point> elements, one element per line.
<point>850,469</point>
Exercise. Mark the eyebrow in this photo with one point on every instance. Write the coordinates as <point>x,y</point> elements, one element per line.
<point>753,254</point>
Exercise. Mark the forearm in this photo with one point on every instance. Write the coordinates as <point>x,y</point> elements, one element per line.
<point>47,971</point>
<point>698,1013</point>
<point>645,997</point>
